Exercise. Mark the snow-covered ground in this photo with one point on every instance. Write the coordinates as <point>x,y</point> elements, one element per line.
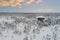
<point>23,28</point>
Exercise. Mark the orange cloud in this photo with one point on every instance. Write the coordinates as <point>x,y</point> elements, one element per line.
<point>11,3</point>
<point>29,2</point>
<point>37,1</point>
<point>15,3</point>
<point>6,3</point>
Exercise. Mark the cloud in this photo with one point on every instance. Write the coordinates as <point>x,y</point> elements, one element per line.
<point>15,3</point>
<point>18,3</point>
<point>12,3</point>
<point>44,10</point>
<point>29,2</point>
<point>39,1</point>
<point>6,3</point>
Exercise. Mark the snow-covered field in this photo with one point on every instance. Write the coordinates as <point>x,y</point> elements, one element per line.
<point>24,28</point>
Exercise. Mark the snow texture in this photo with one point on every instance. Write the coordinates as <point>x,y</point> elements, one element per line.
<point>34,28</point>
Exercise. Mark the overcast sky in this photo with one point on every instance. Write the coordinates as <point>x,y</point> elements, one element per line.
<point>30,6</point>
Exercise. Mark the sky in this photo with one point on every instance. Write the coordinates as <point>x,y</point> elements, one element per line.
<point>30,6</point>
